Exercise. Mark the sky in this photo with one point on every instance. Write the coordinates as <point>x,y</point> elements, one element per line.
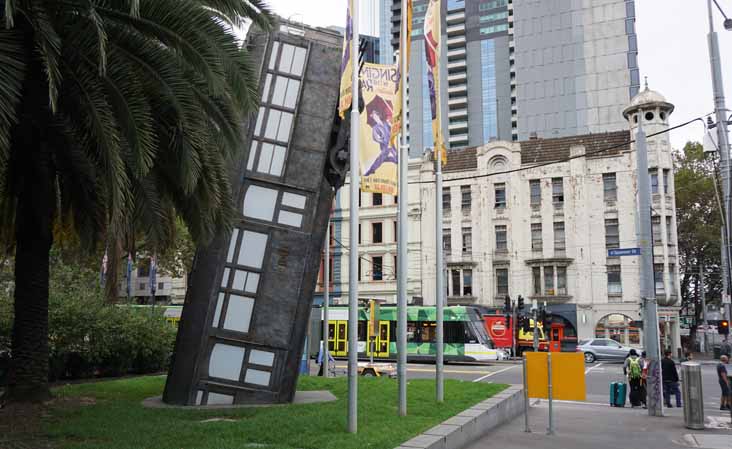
<point>672,49</point>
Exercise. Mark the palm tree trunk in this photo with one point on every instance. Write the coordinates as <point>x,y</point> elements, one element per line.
<point>29,369</point>
<point>33,183</point>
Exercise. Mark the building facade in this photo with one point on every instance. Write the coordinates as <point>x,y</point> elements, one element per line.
<point>554,68</point>
<point>534,218</point>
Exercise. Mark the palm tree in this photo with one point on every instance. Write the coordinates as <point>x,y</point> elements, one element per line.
<point>116,117</point>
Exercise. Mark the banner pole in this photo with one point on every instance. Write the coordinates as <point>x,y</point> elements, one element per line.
<point>403,206</point>
<point>353,235</point>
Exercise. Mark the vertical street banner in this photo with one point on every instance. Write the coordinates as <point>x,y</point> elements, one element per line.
<point>153,276</point>
<point>378,85</point>
<point>346,90</point>
<point>433,46</point>
<point>405,44</point>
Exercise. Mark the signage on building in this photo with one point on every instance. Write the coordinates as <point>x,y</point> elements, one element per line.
<point>623,252</point>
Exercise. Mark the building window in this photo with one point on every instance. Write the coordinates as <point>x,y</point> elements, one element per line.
<point>536,242</point>
<point>558,191</point>
<point>161,285</point>
<point>665,180</point>
<point>359,233</point>
<point>672,278</point>
<point>396,232</point>
<point>658,279</point>
<point>669,233</point>
<point>500,195</point>
<point>467,282</point>
<point>610,187</point>
<point>396,199</point>
<point>465,198</point>
<point>142,286</point>
<point>359,269</point>
<point>501,239</point>
<point>360,195</point>
<point>446,241</point>
<point>656,229</point>
<point>536,275</point>
<point>501,281</point>
<point>654,181</point>
<point>549,281</point>
<point>614,284</point>
<point>376,233</point>
<point>561,280</point>
<point>446,200</point>
<point>376,199</point>
<point>612,233</point>
<point>377,266</point>
<point>535,188</point>
<point>455,282</point>
<point>559,239</point>
<point>396,267</point>
<point>467,240</point>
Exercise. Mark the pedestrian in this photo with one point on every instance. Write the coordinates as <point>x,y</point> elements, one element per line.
<point>645,363</point>
<point>726,401</point>
<point>688,357</point>
<point>634,370</point>
<point>670,380</point>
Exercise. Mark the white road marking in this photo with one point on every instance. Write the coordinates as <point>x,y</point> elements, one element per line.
<point>593,367</point>
<point>494,373</point>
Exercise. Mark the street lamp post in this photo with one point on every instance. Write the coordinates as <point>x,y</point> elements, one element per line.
<point>720,111</point>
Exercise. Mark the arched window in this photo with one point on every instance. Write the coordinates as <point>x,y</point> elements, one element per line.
<point>618,327</point>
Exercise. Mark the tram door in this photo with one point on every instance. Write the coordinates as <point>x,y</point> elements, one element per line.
<point>338,338</point>
<point>381,340</point>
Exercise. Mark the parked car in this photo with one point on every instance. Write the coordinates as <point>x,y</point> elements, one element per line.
<point>603,349</point>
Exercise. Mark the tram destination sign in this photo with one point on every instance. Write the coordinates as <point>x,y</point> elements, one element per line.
<point>618,252</point>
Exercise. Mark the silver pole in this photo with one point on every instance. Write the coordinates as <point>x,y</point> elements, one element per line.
<point>647,291</point>
<point>353,243</point>
<point>704,307</point>
<point>326,300</point>
<point>722,138</point>
<point>550,430</point>
<point>439,298</point>
<point>526,396</point>
<point>536,328</point>
<point>402,262</point>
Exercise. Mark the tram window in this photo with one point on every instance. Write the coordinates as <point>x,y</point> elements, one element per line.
<point>414,334</point>
<point>429,332</point>
<point>362,331</point>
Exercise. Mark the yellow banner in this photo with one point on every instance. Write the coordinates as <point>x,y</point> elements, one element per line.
<point>344,102</point>
<point>378,154</point>
<point>404,49</point>
<point>433,45</point>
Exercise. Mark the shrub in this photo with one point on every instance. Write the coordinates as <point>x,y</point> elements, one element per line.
<point>88,336</point>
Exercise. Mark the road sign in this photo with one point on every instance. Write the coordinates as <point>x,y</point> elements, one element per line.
<point>568,373</point>
<point>618,252</point>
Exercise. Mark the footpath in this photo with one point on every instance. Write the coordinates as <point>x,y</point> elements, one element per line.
<point>596,426</point>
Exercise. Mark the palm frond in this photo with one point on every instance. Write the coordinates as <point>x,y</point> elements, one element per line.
<point>12,74</point>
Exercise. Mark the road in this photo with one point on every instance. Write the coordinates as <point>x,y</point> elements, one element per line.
<point>597,378</point>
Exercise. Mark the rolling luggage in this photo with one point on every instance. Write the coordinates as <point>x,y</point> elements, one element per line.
<point>618,393</point>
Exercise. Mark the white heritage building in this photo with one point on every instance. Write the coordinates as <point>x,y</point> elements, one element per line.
<point>533,218</point>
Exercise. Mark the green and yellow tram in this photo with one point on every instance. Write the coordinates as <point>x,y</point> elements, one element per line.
<point>465,337</point>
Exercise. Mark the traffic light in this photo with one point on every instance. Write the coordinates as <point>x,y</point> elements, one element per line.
<point>723,327</point>
<point>526,324</point>
<point>520,302</point>
<point>507,304</point>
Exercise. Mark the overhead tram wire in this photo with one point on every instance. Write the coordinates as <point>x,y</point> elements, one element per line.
<point>566,159</point>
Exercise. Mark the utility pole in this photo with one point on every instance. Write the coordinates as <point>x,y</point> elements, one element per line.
<point>725,281</point>
<point>439,278</point>
<point>647,285</point>
<point>723,140</point>
<point>326,301</point>
<point>702,292</point>
<point>353,244</point>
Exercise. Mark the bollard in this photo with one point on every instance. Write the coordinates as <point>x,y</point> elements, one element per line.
<point>691,391</point>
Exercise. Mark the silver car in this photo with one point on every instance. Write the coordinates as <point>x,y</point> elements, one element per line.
<point>603,349</point>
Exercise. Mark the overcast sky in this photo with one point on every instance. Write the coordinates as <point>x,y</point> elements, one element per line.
<point>672,53</point>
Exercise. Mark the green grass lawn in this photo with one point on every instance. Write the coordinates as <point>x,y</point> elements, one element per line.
<point>109,415</point>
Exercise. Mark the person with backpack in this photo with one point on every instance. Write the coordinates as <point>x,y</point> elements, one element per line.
<point>633,368</point>
<point>670,380</point>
